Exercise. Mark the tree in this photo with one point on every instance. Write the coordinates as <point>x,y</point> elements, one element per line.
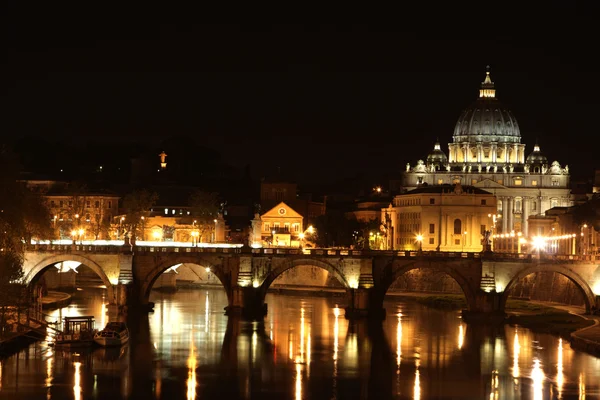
<point>334,229</point>
<point>137,205</point>
<point>205,208</point>
<point>23,216</point>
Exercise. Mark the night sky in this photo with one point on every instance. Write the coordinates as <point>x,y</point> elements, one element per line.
<point>326,102</point>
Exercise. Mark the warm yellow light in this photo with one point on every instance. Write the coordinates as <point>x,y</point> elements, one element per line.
<point>76,215</point>
<point>301,235</point>
<point>378,189</point>
<point>81,232</point>
<point>156,234</point>
<point>255,283</point>
<point>207,269</point>
<point>310,229</point>
<point>585,225</point>
<point>215,221</point>
<point>122,218</point>
<point>419,238</point>
<point>538,242</point>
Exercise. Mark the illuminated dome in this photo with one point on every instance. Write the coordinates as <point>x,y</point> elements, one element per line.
<point>487,120</point>
<point>437,156</point>
<point>537,157</point>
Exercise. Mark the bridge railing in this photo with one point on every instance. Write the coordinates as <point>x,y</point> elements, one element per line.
<point>87,248</point>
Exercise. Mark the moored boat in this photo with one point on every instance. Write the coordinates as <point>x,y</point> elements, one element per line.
<point>114,334</point>
<point>77,332</point>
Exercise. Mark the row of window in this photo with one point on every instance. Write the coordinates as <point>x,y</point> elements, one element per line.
<point>457,228</point>
<point>295,227</point>
<point>410,215</point>
<point>88,204</point>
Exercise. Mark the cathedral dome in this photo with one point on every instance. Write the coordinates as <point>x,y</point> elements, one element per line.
<point>437,156</point>
<point>537,157</point>
<point>487,120</point>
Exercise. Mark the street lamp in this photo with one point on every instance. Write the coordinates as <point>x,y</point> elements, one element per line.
<point>301,237</point>
<point>195,238</point>
<point>81,232</point>
<point>464,240</point>
<point>420,240</point>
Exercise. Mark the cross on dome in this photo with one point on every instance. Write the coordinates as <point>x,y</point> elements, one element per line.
<point>487,86</point>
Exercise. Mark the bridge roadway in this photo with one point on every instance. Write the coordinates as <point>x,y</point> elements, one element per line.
<point>247,273</point>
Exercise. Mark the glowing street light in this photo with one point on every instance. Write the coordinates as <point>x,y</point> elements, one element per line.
<point>420,240</point>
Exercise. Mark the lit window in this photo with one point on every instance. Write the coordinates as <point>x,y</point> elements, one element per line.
<point>440,181</point>
<point>499,181</point>
<point>518,182</point>
<point>533,183</point>
<point>166,211</point>
<point>173,212</point>
<point>267,226</point>
<point>286,227</point>
<point>473,181</point>
<point>456,180</point>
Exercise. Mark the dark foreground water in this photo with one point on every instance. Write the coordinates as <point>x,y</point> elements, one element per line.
<point>188,349</point>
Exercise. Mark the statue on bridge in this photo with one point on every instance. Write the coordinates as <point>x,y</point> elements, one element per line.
<point>487,241</point>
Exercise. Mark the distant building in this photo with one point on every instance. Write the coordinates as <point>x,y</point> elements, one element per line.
<point>77,213</point>
<point>440,218</point>
<point>486,152</point>
<point>281,226</point>
<point>273,192</point>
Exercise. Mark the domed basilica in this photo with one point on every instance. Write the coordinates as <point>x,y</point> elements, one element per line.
<point>486,152</point>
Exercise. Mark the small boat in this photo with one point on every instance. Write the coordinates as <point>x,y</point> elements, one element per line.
<point>114,334</point>
<point>77,332</point>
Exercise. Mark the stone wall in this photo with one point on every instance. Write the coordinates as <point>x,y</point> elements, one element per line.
<point>548,286</point>
<point>304,276</point>
<point>57,281</point>
<point>425,280</point>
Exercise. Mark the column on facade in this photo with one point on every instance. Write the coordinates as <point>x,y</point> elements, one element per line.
<point>516,153</point>
<point>479,152</point>
<point>494,151</point>
<point>465,149</point>
<point>446,231</point>
<point>505,153</point>
<point>504,213</point>
<point>511,205</point>
<point>525,216</point>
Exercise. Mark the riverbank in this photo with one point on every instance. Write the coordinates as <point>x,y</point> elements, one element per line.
<point>55,300</point>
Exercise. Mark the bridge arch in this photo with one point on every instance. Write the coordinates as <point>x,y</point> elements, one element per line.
<point>162,266</point>
<point>280,269</point>
<point>393,272</point>
<point>36,272</point>
<point>588,295</point>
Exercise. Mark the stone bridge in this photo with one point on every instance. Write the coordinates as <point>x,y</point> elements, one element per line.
<point>246,274</point>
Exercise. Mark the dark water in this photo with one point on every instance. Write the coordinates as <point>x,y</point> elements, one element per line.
<point>187,349</point>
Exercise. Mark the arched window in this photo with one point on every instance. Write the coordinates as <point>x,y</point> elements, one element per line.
<point>457,227</point>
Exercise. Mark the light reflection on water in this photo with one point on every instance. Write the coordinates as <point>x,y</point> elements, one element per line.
<point>304,349</point>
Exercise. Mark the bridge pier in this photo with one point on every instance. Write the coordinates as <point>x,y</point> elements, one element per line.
<point>361,305</point>
<point>486,307</point>
<point>246,302</point>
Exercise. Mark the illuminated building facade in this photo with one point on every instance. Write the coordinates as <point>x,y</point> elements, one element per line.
<point>486,152</point>
<point>281,226</point>
<point>440,218</point>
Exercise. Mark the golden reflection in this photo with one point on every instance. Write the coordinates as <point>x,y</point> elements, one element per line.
<point>206,306</point>
<point>301,358</point>
<point>399,340</point>
<point>0,375</point>
<point>298,382</point>
<point>308,345</point>
<point>49,369</point>
<point>537,375</point>
<point>494,386</point>
<point>103,315</point>
<point>417,388</point>
<point>336,333</point>
<point>461,336</point>
<point>254,343</point>
<point>516,353</point>
<point>291,346</point>
<point>560,378</point>
<point>581,387</point>
<point>191,364</point>
<point>77,384</point>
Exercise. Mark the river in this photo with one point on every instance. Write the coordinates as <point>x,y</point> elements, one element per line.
<point>305,349</point>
